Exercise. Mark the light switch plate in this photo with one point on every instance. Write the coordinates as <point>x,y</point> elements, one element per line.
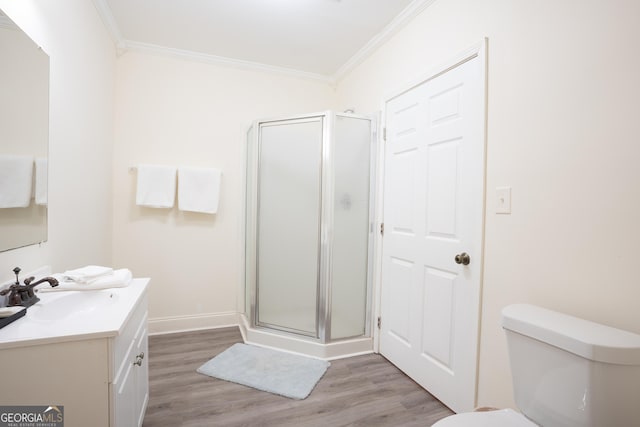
<point>503,200</point>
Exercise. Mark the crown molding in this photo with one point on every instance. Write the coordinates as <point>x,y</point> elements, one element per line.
<point>7,23</point>
<point>109,21</point>
<point>221,60</point>
<point>414,9</point>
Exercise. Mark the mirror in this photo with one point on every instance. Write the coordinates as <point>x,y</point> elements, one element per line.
<point>24,138</point>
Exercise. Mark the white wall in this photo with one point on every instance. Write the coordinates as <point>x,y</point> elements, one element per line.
<point>176,112</point>
<point>82,66</point>
<point>562,132</point>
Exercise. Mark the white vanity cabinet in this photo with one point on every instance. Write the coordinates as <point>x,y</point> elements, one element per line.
<point>86,351</point>
<point>129,390</point>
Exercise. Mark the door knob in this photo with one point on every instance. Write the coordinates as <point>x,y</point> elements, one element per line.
<point>463,258</point>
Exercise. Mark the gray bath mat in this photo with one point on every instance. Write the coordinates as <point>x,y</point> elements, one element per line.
<point>269,370</point>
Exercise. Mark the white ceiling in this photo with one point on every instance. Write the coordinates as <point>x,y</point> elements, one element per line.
<point>318,38</point>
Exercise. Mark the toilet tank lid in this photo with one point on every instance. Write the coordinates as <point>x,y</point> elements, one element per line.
<point>584,338</point>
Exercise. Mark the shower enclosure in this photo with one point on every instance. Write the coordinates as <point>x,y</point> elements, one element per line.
<point>309,210</point>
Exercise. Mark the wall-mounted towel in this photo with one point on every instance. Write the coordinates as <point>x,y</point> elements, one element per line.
<point>42,180</point>
<point>198,189</point>
<point>16,176</point>
<point>156,186</point>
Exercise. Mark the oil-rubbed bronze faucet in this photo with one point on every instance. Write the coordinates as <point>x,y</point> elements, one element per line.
<point>23,294</point>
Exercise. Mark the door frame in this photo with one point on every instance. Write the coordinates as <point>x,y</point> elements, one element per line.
<point>477,50</point>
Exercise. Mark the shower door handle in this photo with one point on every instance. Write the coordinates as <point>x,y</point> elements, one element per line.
<point>463,258</point>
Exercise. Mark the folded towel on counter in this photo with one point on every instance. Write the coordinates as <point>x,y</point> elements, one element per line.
<point>156,187</point>
<point>87,274</point>
<point>16,177</point>
<point>116,279</point>
<point>42,181</point>
<point>198,189</point>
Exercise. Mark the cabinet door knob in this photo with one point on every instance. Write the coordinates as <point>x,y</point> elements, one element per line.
<point>139,358</point>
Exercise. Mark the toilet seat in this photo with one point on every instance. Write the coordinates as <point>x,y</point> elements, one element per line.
<point>501,418</point>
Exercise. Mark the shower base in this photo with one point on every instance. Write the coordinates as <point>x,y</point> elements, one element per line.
<point>274,339</point>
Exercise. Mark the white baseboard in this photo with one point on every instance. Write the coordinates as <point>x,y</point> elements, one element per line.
<point>171,324</point>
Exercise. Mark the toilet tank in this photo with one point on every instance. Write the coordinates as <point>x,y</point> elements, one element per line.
<point>572,372</point>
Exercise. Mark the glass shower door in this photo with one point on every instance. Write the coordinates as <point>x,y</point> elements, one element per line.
<point>288,231</point>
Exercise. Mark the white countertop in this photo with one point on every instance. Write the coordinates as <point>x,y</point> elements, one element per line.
<point>71,319</point>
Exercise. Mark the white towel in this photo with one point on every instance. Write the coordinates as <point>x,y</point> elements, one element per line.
<point>198,189</point>
<point>16,176</point>
<point>156,186</point>
<point>117,279</point>
<point>87,274</point>
<point>42,180</point>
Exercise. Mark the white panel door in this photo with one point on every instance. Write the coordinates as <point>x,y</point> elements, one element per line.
<point>433,211</point>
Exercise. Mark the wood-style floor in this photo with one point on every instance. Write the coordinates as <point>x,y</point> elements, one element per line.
<point>358,391</point>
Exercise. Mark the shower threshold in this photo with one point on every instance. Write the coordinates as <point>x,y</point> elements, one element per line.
<point>302,345</point>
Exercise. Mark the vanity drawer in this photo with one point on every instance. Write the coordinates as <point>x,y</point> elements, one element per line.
<point>125,341</point>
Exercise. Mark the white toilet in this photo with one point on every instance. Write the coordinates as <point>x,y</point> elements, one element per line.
<point>567,372</point>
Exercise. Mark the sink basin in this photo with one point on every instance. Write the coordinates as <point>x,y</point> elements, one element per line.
<point>71,304</point>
